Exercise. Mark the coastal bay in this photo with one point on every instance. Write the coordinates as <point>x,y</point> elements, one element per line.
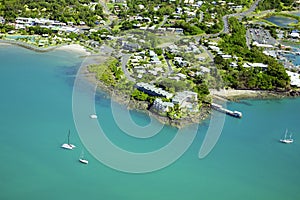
<point>85,64</point>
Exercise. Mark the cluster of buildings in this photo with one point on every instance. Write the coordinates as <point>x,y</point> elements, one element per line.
<point>142,64</point>
<point>23,22</point>
<point>185,99</point>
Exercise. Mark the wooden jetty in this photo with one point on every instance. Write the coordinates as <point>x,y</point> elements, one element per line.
<point>226,111</point>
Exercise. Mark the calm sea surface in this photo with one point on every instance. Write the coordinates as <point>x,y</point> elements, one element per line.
<point>247,163</point>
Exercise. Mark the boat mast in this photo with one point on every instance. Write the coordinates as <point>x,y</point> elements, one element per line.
<point>82,154</point>
<point>69,137</point>
<point>285,134</point>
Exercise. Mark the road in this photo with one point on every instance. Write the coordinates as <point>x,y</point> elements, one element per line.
<point>225,21</point>
<point>124,60</point>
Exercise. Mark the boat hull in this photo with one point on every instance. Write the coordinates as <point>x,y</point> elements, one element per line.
<point>287,141</point>
<point>83,161</point>
<point>68,146</point>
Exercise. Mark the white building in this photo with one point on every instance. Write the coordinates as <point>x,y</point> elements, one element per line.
<point>152,90</point>
<point>294,35</point>
<point>162,106</point>
<point>182,97</point>
<point>260,65</point>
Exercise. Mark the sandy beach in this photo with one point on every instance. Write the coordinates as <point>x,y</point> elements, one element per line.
<point>232,94</point>
<point>76,48</point>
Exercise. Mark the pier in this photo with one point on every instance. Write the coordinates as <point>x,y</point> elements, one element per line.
<point>226,111</point>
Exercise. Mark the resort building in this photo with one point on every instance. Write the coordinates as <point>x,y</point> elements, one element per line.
<point>23,22</point>
<point>184,98</point>
<point>162,106</point>
<point>153,90</point>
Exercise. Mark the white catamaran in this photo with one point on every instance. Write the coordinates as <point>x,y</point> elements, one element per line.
<point>287,140</point>
<point>68,145</point>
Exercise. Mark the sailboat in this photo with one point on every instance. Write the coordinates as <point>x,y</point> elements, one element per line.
<point>82,160</point>
<point>287,140</point>
<point>68,145</point>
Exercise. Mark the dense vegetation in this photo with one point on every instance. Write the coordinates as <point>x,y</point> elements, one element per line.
<point>277,4</point>
<point>63,10</point>
<point>274,77</point>
<point>110,72</point>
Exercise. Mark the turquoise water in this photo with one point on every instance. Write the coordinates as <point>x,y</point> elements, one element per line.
<point>247,163</point>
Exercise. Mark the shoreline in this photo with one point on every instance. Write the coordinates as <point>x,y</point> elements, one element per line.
<point>74,48</point>
<point>233,94</point>
<point>142,106</point>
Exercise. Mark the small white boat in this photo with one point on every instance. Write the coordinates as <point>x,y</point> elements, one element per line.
<point>287,140</point>
<point>68,145</point>
<point>82,160</point>
<point>93,116</point>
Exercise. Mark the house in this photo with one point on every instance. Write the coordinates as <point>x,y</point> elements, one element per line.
<point>162,106</point>
<point>205,69</point>
<point>189,1</point>
<point>294,35</point>
<point>259,65</point>
<point>118,1</point>
<point>214,48</point>
<point>173,48</point>
<point>152,53</point>
<point>153,72</point>
<point>233,64</point>
<point>131,46</point>
<point>180,62</point>
<point>295,78</point>
<point>226,56</point>
<point>262,45</point>
<point>179,30</point>
<point>181,76</point>
<point>141,6</point>
<point>155,60</point>
<point>270,53</point>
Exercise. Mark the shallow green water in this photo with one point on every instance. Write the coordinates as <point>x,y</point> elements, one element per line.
<point>247,163</point>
